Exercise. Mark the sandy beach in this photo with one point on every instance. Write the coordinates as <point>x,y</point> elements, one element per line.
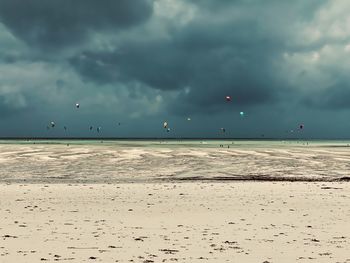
<point>179,222</point>
<point>110,203</point>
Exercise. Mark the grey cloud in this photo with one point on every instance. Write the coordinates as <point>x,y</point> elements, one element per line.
<point>52,23</point>
<point>170,65</point>
<point>12,104</point>
<point>236,51</point>
<point>211,58</point>
<point>335,97</point>
<point>158,65</point>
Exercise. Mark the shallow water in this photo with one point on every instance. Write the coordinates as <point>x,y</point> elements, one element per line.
<point>202,143</point>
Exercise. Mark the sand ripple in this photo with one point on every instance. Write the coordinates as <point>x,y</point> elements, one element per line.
<point>106,163</point>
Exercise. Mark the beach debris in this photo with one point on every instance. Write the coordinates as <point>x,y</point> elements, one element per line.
<point>111,246</point>
<point>169,251</point>
<point>9,236</point>
<point>228,98</point>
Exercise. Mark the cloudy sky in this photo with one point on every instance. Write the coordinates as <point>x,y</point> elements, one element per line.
<point>142,62</point>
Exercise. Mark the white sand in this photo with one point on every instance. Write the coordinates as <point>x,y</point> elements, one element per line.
<point>175,222</point>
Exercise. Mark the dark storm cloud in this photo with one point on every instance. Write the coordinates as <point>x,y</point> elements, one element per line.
<point>335,97</point>
<point>306,8</point>
<point>237,51</point>
<point>53,23</point>
<point>158,64</point>
<point>161,58</point>
<point>208,58</point>
<point>11,104</point>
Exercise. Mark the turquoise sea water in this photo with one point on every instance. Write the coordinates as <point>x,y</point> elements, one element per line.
<point>201,143</point>
<point>145,142</point>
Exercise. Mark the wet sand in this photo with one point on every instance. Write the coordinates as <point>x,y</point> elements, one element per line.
<point>107,163</point>
<point>176,222</point>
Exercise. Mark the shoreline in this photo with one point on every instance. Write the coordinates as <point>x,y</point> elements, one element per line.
<point>229,180</point>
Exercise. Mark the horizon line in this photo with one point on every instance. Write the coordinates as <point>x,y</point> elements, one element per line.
<point>166,138</point>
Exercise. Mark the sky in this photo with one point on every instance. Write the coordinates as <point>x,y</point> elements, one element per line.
<point>142,62</point>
